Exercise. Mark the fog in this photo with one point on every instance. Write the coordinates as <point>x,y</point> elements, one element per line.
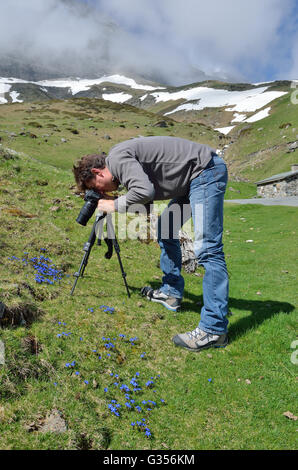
<point>171,41</point>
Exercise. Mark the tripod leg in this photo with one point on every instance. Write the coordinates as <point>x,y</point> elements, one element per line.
<point>87,249</point>
<point>99,230</point>
<point>112,236</point>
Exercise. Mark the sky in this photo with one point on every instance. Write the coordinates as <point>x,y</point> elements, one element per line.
<point>171,41</point>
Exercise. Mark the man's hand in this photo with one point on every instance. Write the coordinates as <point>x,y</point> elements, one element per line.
<point>106,205</point>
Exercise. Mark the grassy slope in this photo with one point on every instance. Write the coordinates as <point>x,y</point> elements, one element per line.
<point>269,135</point>
<point>92,119</point>
<point>224,413</point>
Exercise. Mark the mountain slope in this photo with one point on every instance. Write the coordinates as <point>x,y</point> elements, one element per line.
<point>247,123</point>
<point>266,147</point>
<point>60,131</point>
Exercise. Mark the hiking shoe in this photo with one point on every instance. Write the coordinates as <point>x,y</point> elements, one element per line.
<point>171,303</point>
<point>198,339</point>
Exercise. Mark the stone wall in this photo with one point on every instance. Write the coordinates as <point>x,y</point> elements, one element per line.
<point>283,188</point>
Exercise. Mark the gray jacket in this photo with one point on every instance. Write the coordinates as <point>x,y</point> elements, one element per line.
<point>156,168</point>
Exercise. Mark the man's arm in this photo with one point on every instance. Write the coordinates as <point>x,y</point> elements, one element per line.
<point>126,168</point>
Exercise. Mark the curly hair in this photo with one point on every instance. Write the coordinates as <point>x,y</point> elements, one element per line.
<point>82,168</point>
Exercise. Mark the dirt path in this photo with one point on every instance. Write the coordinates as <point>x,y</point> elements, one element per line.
<point>284,201</point>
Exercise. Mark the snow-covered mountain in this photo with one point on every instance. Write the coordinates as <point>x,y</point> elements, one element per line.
<point>18,90</point>
<point>240,102</point>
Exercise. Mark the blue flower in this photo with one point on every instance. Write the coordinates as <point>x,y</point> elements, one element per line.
<point>149,383</point>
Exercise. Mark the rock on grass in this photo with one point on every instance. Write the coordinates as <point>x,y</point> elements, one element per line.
<point>54,422</point>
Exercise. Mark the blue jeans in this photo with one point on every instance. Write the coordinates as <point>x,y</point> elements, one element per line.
<point>205,204</point>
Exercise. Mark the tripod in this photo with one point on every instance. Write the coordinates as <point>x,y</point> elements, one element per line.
<point>111,242</point>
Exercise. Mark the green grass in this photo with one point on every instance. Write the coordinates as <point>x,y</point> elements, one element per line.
<point>92,119</point>
<point>239,190</point>
<point>224,413</point>
<point>262,150</point>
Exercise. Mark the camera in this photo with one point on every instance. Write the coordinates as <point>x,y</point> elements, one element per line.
<point>91,198</point>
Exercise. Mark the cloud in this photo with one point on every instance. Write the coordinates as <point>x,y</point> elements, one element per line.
<point>54,34</point>
<point>169,40</point>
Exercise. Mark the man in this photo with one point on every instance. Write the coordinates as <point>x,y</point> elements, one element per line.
<point>194,178</point>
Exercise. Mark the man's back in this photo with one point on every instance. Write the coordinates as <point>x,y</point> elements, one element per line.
<point>157,167</point>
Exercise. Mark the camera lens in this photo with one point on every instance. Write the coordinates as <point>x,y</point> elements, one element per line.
<point>87,211</point>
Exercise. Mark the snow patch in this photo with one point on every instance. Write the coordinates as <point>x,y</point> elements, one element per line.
<point>224,130</point>
<point>243,101</point>
<point>11,80</point>
<point>4,88</point>
<point>252,103</point>
<point>263,83</point>
<point>14,96</point>
<point>260,115</point>
<point>116,97</point>
<point>239,117</point>
<point>77,85</point>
